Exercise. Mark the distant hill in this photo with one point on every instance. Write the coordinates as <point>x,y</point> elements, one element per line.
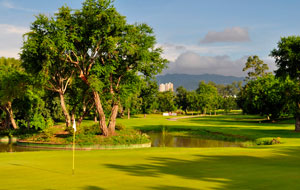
<point>190,82</point>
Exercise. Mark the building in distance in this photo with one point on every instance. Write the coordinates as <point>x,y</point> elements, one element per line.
<point>166,87</point>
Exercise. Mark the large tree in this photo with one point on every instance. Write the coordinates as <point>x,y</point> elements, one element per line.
<point>108,54</point>
<point>287,59</point>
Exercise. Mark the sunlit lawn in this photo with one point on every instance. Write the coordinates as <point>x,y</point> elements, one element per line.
<point>258,167</point>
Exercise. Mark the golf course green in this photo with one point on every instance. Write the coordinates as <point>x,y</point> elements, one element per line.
<point>249,167</point>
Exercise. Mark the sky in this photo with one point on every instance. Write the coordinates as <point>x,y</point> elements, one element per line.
<point>197,36</point>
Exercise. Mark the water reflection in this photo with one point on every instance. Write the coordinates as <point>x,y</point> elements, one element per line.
<point>164,139</point>
<point>159,139</point>
<point>11,147</point>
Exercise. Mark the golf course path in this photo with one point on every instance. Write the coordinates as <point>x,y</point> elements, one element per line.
<point>176,118</point>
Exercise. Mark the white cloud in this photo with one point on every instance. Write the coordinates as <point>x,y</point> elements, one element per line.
<point>173,51</point>
<point>9,4</point>
<point>193,63</point>
<point>235,34</point>
<point>11,29</point>
<point>11,40</point>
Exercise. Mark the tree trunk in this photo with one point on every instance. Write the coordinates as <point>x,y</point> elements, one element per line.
<point>11,115</point>
<point>64,108</point>
<point>128,113</point>
<point>28,124</point>
<point>101,114</point>
<point>95,119</point>
<point>113,117</point>
<point>215,112</point>
<point>144,115</point>
<point>7,120</point>
<point>297,124</point>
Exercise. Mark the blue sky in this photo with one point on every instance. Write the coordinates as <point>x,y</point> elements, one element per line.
<point>198,36</point>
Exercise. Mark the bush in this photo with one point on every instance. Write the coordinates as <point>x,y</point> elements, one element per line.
<point>268,141</point>
<point>120,126</point>
<point>39,122</point>
<point>89,129</point>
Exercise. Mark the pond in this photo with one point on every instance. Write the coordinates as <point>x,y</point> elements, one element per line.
<point>160,139</point>
<point>12,147</point>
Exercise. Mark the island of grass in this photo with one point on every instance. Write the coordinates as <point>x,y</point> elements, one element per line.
<point>88,136</point>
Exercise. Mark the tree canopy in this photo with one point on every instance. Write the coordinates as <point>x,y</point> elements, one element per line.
<point>287,59</point>
<point>97,45</point>
<point>256,66</point>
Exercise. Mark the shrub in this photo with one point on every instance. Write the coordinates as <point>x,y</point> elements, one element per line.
<point>268,141</point>
<point>39,122</point>
<point>120,126</point>
<point>89,129</point>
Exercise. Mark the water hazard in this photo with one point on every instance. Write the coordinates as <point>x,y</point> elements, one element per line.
<point>12,147</point>
<point>160,139</point>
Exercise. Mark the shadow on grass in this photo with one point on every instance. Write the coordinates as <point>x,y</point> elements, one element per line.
<point>167,187</point>
<point>279,171</point>
<point>37,168</point>
<point>238,127</point>
<point>91,187</point>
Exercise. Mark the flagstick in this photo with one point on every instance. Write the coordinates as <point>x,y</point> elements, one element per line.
<point>74,128</point>
<point>73,170</point>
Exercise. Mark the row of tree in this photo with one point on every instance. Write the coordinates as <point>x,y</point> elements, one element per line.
<point>208,97</point>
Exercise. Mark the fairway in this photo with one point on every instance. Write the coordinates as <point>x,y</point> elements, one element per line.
<point>258,167</point>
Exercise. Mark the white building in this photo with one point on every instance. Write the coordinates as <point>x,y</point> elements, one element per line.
<point>162,88</point>
<point>166,87</point>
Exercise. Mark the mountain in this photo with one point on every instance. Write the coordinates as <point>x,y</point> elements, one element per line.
<point>190,82</point>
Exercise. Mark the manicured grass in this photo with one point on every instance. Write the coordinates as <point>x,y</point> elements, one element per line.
<point>259,167</point>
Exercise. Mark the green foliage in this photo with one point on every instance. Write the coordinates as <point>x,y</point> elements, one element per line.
<point>89,129</point>
<point>256,66</point>
<point>229,90</point>
<point>268,141</point>
<point>128,136</point>
<point>39,122</point>
<point>120,126</point>
<point>148,92</point>
<point>287,59</point>
<point>182,98</point>
<point>266,96</point>
<point>228,103</point>
<point>207,97</point>
<point>166,101</point>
